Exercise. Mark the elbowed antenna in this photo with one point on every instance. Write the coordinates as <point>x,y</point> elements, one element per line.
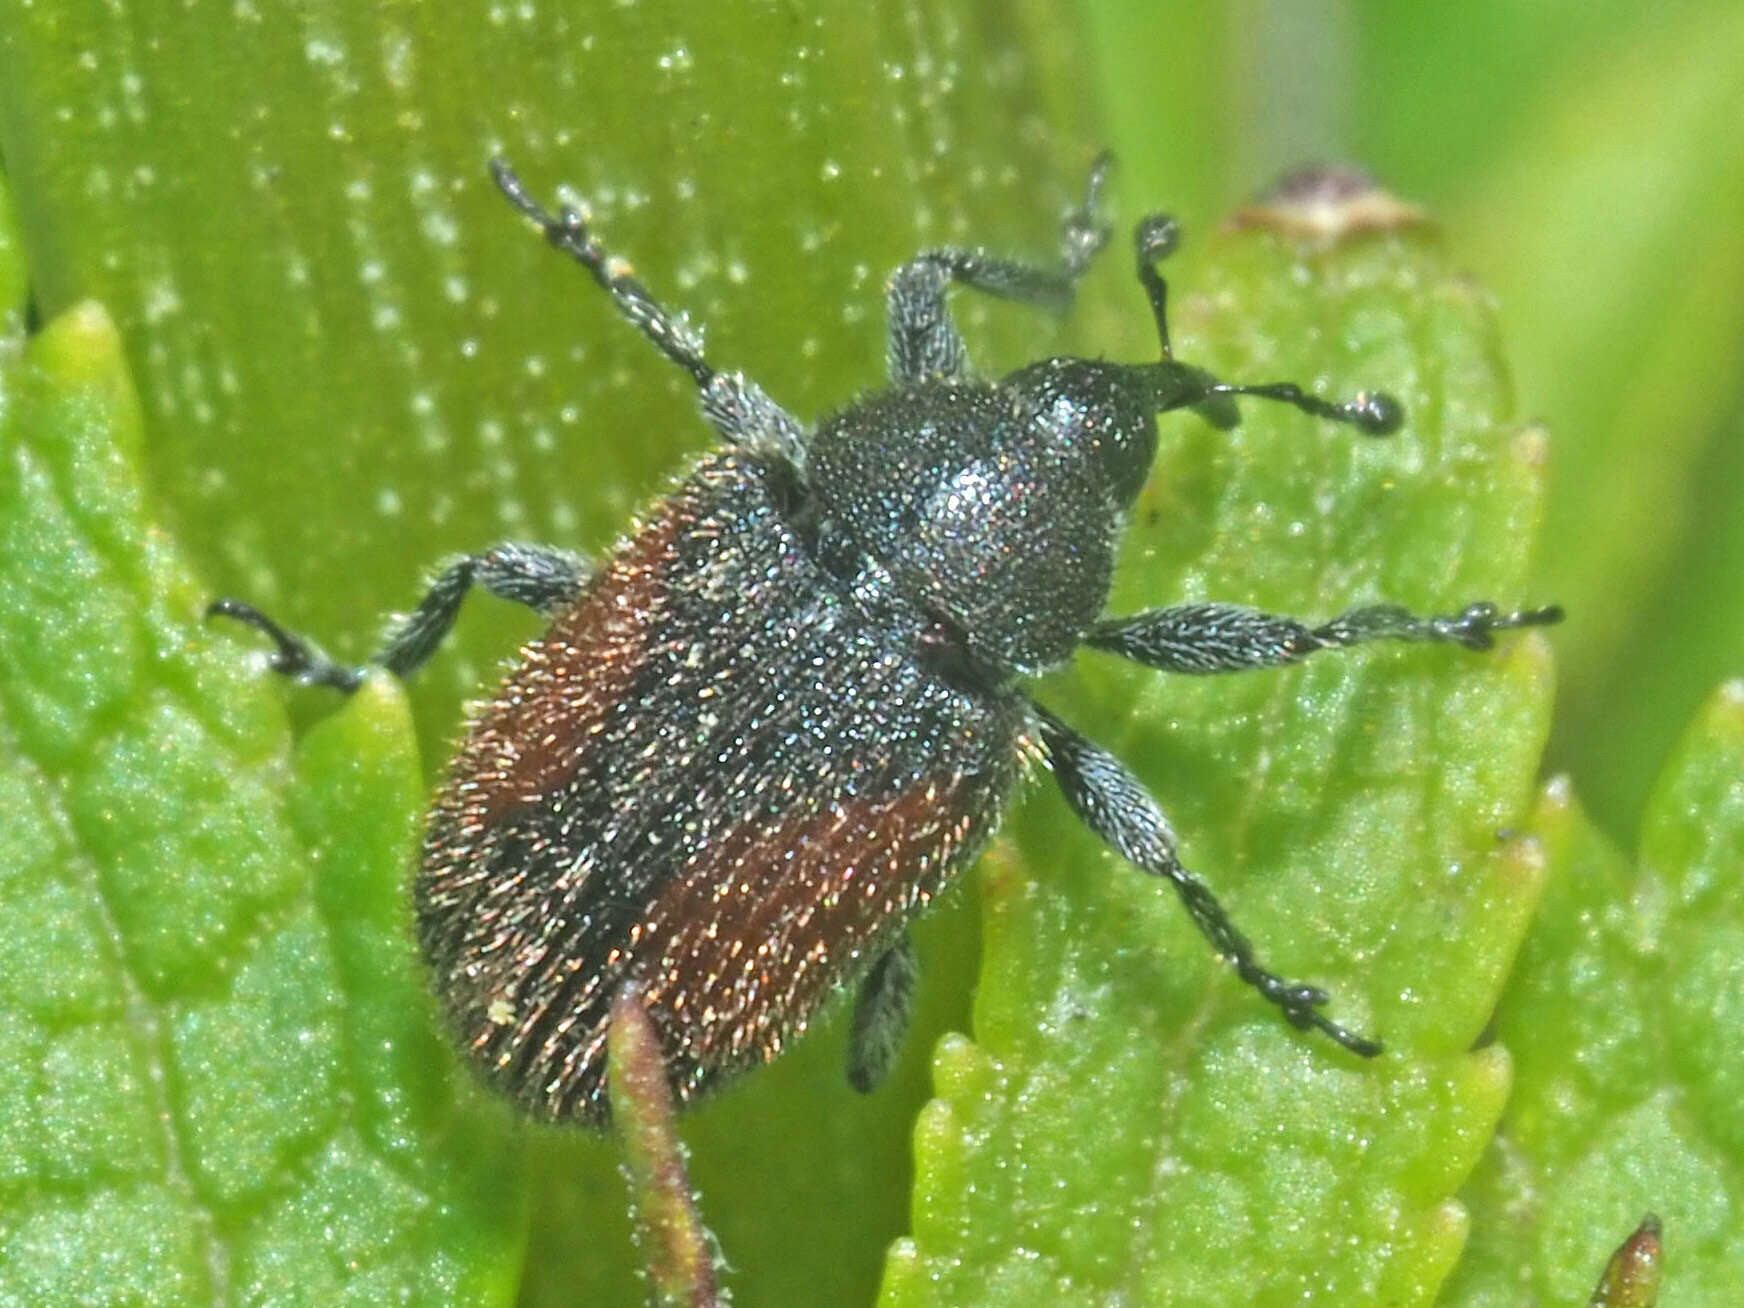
<point>1171,385</point>
<point>1373,413</point>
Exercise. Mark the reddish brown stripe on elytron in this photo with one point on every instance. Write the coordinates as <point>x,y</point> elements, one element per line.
<point>805,902</point>
<point>530,741</point>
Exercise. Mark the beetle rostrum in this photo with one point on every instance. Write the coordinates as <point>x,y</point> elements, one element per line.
<point>788,709</point>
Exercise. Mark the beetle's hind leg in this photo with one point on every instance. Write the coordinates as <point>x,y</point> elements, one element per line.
<point>882,1010</point>
<point>924,342</point>
<point>1115,805</point>
<point>545,580</point>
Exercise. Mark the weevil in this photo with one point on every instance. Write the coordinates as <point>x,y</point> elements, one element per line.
<point>789,708</point>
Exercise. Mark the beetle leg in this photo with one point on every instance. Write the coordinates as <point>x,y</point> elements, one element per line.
<point>736,406</point>
<point>1114,804</point>
<point>1229,637</point>
<point>881,1013</point>
<point>543,579</point>
<point>924,342</point>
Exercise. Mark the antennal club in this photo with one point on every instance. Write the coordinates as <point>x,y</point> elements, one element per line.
<point>1155,239</point>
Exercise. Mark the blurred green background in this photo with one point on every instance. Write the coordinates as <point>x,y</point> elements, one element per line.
<point>352,362</point>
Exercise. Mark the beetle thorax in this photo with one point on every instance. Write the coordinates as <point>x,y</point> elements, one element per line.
<point>995,507</point>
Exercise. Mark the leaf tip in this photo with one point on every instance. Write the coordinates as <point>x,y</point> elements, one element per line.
<point>80,349</point>
<point>1326,204</point>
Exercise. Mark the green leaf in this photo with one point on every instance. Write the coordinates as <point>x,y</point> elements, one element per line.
<point>216,1084</point>
<point>1586,156</point>
<point>1623,1014</point>
<point>351,361</point>
<point>1133,1125</point>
